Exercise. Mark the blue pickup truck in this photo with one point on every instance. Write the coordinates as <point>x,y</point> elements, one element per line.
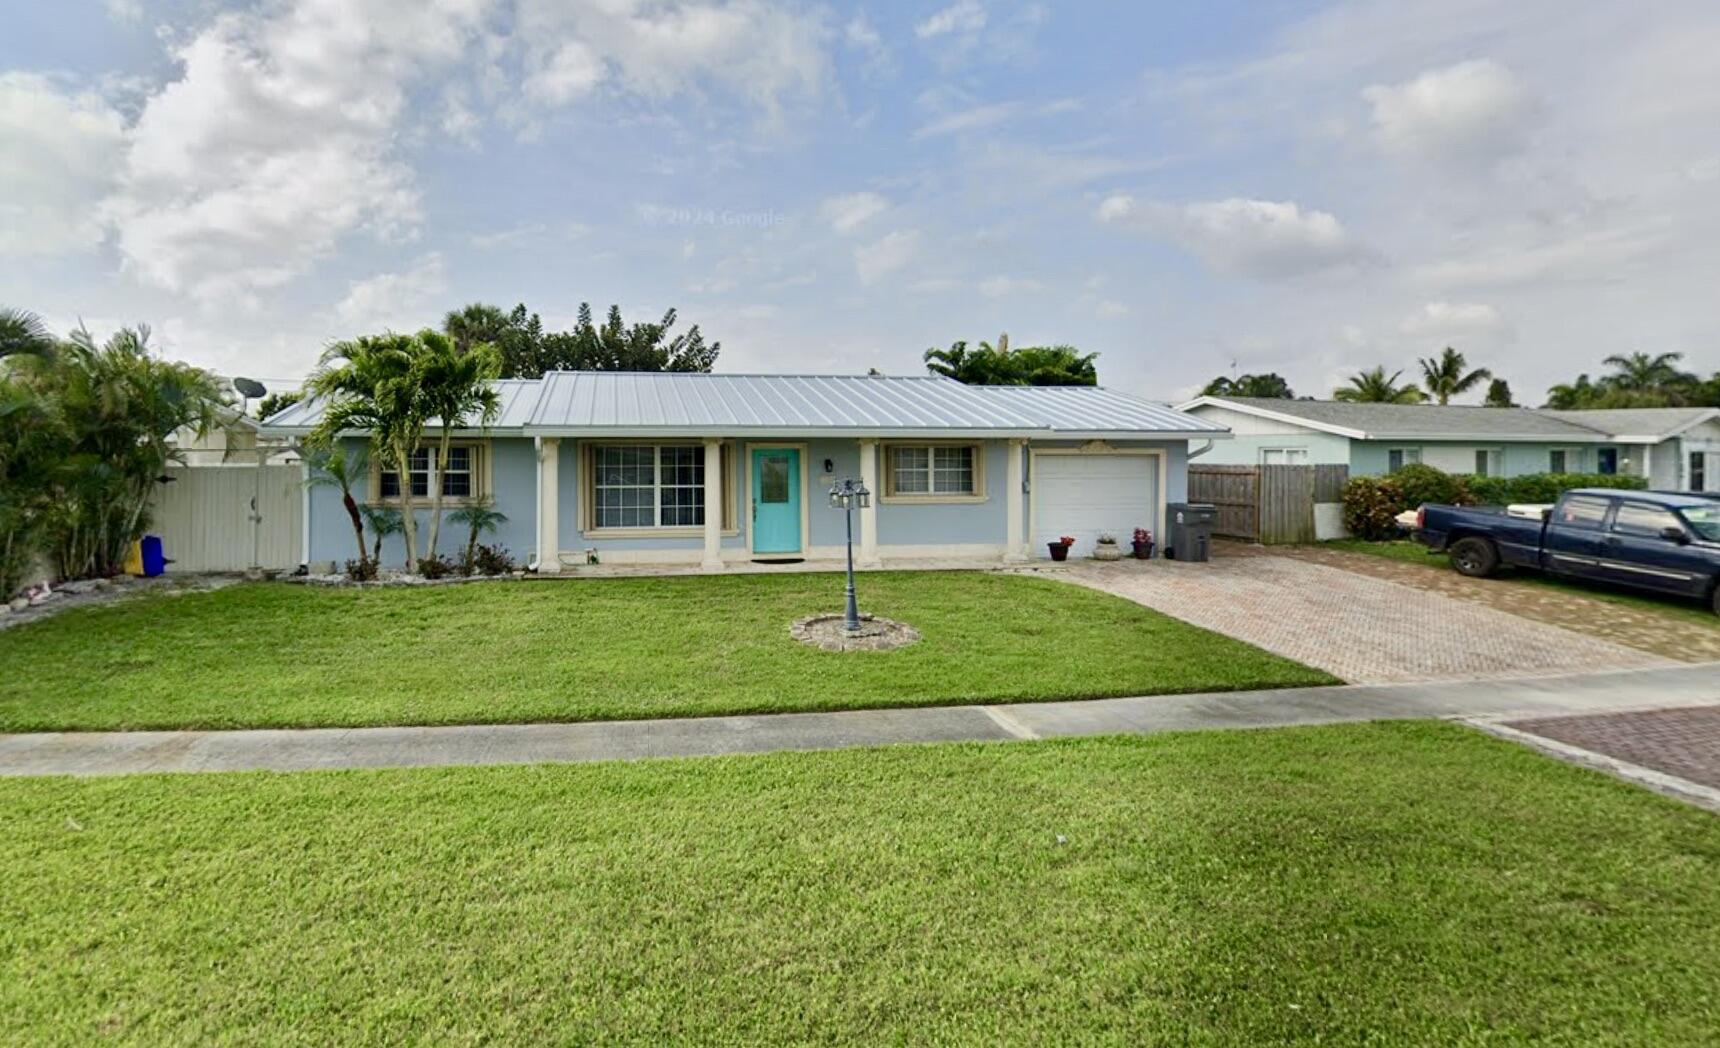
<point>1663,541</point>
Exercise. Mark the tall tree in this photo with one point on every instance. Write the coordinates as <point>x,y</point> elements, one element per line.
<point>332,467</point>
<point>458,390</point>
<point>373,384</point>
<point>527,350</point>
<point>1374,386</point>
<point>1641,373</point>
<point>22,333</point>
<point>1499,395</point>
<point>275,403</point>
<point>1270,385</point>
<point>998,365</point>
<point>1445,376</point>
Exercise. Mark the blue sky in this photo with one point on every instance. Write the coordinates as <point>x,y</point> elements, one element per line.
<point>1299,187</point>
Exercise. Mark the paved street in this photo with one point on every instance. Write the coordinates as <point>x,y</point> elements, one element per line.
<point>1681,742</point>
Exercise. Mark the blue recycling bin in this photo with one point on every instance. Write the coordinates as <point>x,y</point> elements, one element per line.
<point>154,560</point>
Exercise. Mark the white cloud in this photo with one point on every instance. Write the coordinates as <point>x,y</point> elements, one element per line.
<point>963,16</point>
<point>769,55</point>
<point>859,34</point>
<point>877,260</point>
<point>403,301</point>
<point>1453,320</point>
<point>1001,286</point>
<point>1259,238</point>
<point>127,11</point>
<point>513,237</point>
<point>570,71</point>
<point>978,118</point>
<point>1110,309</point>
<point>58,149</point>
<point>1471,111</point>
<point>847,213</point>
<point>277,140</point>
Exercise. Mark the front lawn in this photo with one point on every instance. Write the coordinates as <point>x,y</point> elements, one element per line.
<point>275,655</point>
<point>1385,884</point>
<point>1405,551</point>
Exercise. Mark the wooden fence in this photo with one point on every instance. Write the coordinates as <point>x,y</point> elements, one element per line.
<point>1266,504</point>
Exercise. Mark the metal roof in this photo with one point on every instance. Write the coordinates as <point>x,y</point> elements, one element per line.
<point>1093,409</point>
<point>1414,421</point>
<point>673,401</point>
<point>597,403</point>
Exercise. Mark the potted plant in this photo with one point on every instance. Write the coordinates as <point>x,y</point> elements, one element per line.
<point>1143,544</point>
<point>1106,548</point>
<point>1060,548</point>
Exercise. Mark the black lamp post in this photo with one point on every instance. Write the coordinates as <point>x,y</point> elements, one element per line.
<point>845,496</point>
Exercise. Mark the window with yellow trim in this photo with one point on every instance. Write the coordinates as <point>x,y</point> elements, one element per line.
<point>648,486</point>
<point>932,471</point>
<point>461,475</point>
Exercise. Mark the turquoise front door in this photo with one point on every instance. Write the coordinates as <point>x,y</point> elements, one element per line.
<point>776,500</point>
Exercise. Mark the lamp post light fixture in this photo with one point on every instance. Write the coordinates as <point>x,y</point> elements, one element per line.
<point>845,496</point>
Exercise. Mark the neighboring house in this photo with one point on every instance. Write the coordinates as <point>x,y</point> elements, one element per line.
<point>1676,448</point>
<point>711,469</point>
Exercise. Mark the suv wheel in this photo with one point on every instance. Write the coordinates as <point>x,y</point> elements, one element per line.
<point>1476,558</point>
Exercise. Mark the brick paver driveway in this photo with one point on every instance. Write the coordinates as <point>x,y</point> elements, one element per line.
<point>1681,742</point>
<point>1633,626</point>
<point>1361,629</point>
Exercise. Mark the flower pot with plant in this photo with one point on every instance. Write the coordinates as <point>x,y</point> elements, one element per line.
<point>1143,544</point>
<point>1060,548</point>
<point>1106,548</point>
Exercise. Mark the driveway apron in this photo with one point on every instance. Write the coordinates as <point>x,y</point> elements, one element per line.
<point>1361,629</point>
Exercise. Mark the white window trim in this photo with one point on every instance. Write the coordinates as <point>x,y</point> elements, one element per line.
<point>890,496</point>
<point>588,527</point>
<point>1287,452</point>
<point>482,477</point>
<point>1573,460</point>
<point>1495,461</point>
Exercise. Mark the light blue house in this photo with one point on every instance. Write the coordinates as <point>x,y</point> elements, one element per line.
<point>710,470</point>
<point>1675,448</point>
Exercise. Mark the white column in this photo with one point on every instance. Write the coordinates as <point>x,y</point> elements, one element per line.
<point>713,504</point>
<point>1015,548</point>
<point>1648,465</point>
<point>549,510</point>
<point>869,515</point>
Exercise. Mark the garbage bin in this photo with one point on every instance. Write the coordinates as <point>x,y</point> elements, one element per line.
<point>1191,530</point>
<point>154,560</point>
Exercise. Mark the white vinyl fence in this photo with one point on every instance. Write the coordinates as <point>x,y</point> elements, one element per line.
<point>204,517</point>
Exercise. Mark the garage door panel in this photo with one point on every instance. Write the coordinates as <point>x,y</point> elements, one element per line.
<point>1083,495</point>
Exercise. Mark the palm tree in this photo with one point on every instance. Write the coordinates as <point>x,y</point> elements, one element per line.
<point>382,522</point>
<point>1641,373</point>
<point>22,333</point>
<point>458,389</point>
<point>480,515</point>
<point>1446,378</point>
<point>950,363</point>
<point>334,468</point>
<point>374,384</point>
<point>1374,387</point>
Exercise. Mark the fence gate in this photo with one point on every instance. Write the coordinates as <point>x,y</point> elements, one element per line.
<point>204,517</point>
<point>1266,504</point>
<point>1235,492</point>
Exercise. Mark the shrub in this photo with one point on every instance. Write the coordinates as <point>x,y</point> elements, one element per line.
<point>1423,484</point>
<point>1545,487</point>
<point>1370,504</point>
<point>436,566</point>
<point>361,570</point>
<point>492,560</point>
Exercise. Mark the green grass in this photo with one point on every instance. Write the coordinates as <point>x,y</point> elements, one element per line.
<point>1682,609</point>
<point>273,655</point>
<point>1387,884</point>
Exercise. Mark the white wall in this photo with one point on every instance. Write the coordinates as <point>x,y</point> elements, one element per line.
<point>203,517</point>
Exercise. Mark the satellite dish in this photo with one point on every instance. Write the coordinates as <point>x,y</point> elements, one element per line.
<point>249,387</point>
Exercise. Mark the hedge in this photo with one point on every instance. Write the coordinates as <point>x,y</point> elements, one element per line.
<point>1371,503</point>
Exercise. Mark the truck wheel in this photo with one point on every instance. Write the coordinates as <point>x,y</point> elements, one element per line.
<point>1476,558</point>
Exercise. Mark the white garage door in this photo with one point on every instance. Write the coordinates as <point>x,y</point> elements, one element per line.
<point>1082,495</point>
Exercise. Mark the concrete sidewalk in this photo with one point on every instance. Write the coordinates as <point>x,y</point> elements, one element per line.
<point>123,753</point>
